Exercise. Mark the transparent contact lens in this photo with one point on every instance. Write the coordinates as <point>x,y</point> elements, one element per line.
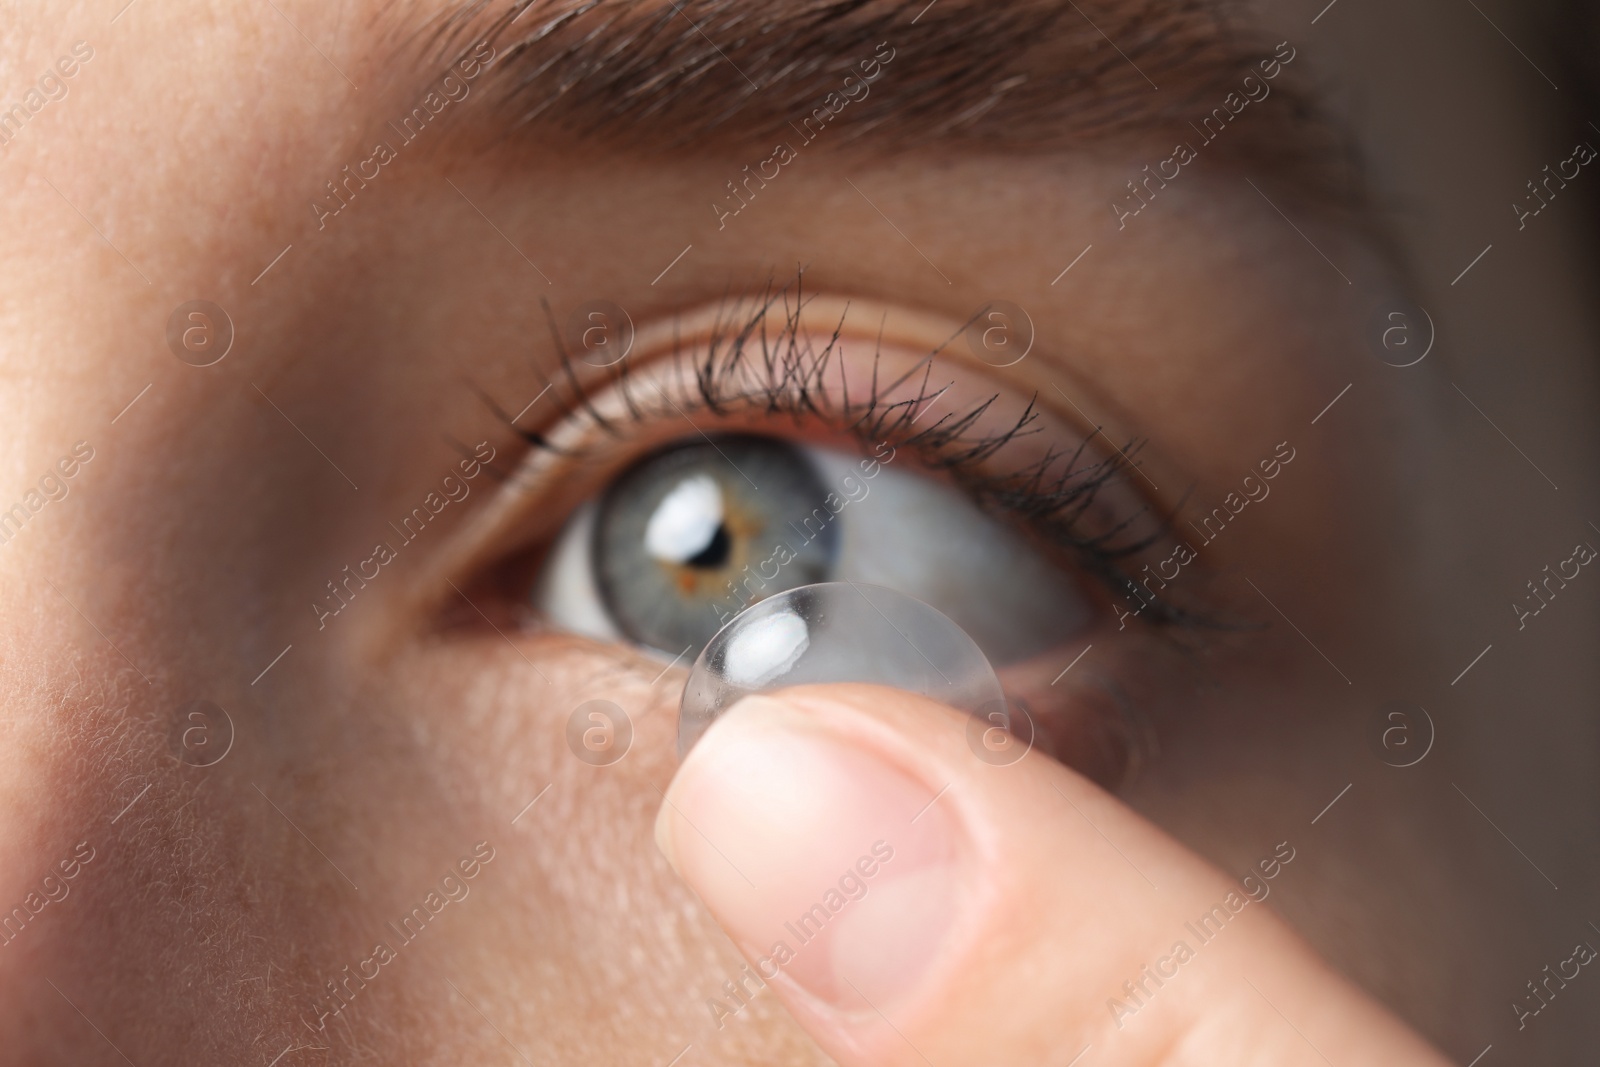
<point>837,632</point>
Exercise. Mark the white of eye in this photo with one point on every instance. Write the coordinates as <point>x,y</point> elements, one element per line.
<point>909,532</point>
<point>565,592</point>
<point>766,649</point>
<point>685,521</point>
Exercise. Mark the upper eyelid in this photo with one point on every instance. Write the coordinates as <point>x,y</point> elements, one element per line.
<point>736,358</point>
<point>766,326</point>
<point>596,414</point>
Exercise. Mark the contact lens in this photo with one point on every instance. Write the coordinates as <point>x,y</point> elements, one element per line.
<point>837,632</point>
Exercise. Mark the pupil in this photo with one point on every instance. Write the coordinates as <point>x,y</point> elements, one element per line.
<point>716,552</point>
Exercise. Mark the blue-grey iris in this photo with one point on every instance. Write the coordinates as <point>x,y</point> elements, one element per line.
<point>690,536</point>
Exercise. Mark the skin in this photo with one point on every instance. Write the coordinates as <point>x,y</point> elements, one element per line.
<point>375,755</point>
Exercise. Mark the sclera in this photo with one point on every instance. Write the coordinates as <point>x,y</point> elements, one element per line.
<point>837,632</point>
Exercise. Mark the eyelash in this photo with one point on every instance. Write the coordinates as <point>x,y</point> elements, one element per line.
<point>745,369</point>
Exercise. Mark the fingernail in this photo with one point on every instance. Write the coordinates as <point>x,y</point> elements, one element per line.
<point>824,861</point>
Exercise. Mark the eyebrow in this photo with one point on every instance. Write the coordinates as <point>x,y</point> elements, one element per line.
<point>1023,77</point>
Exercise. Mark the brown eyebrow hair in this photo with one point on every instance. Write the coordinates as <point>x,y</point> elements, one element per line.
<point>1025,76</point>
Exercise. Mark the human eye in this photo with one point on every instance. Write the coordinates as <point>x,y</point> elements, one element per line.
<point>793,441</point>
<point>701,528</point>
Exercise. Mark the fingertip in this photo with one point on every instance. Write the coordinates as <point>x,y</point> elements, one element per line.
<point>822,856</point>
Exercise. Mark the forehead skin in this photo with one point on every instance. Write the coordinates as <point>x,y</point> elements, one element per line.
<point>179,165</point>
